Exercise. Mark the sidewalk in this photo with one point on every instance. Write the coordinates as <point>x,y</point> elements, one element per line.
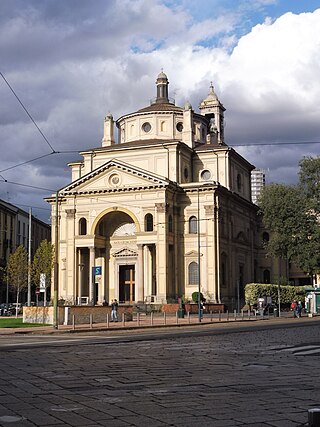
<point>155,321</point>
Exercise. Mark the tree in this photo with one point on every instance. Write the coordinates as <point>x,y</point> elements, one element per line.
<point>292,216</point>
<point>309,181</point>
<point>43,263</point>
<point>17,272</point>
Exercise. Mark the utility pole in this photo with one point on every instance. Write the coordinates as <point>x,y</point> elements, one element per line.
<point>199,270</point>
<point>56,265</point>
<point>29,259</point>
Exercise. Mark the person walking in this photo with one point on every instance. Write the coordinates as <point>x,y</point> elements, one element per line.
<point>294,308</point>
<point>299,309</point>
<point>114,310</point>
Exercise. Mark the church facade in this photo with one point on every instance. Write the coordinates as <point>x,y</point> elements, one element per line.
<point>160,212</point>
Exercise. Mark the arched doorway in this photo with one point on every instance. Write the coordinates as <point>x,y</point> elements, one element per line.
<point>117,230</point>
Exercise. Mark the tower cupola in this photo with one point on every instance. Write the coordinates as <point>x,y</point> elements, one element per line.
<point>162,88</point>
<point>212,108</point>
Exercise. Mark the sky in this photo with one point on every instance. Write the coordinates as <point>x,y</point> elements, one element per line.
<point>65,64</point>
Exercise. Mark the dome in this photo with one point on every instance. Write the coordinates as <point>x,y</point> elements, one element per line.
<point>162,75</point>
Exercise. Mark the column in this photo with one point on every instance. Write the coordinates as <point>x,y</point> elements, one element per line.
<point>161,253</point>
<point>71,268</point>
<point>139,281</point>
<point>147,273</point>
<point>91,278</point>
<point>211,252</point>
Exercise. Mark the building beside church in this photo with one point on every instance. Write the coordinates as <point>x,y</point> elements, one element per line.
<point>165,207</point>
<point>258,182</point>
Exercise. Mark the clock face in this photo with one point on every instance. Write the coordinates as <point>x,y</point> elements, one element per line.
<point>146,127</point>
<point>205,175</point>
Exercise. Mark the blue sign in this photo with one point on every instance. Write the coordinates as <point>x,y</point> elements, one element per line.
<point>97,271</point>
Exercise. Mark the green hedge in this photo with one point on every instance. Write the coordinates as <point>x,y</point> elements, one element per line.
<point>253,291</point>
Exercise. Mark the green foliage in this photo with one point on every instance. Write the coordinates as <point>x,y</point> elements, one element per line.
<point>17,271</point>
<point>253,291</point>
<point>291,214</point>
<point>309,181</point>
<point>194,296</point>
<point>43,262</point>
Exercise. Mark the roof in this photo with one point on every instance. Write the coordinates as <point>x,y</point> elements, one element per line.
<point>161,107</point>
<point>133,144</point>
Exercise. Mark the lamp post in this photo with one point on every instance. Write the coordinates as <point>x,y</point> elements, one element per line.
<point>199,285</point>
<point>56,265</point>
<point>29,258</point>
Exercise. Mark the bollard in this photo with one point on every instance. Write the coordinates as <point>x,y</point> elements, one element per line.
<point>235,314</point>
<point>90,320</point>
<point>177,321</point>
<point>107,320</point>
<point>219,316</point>
<point>228,315</point>
<point>188,316</point>
<point>151,318</point>
<point>123,321</point>
<point>138,319</point>
<point>314,417</point>
<point>164,318</point>
<point>211,315</point>
<point>242,315</point>
<point>73,322</point>
<point>249,314</point>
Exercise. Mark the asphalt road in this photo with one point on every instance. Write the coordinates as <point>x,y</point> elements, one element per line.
<point>261,374</point>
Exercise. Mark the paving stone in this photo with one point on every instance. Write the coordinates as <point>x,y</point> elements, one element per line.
<point>207,380</point>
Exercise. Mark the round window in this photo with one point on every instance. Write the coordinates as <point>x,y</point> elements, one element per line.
<point>205,175</point>
<point>146,127</point>
<point>179,127</point>
<point>114,179</point>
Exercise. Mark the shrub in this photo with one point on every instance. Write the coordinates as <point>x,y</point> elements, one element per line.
<point>194,297</point>
<point>253,291</point>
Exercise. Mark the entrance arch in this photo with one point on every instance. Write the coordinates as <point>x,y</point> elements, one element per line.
<point>114,210</point>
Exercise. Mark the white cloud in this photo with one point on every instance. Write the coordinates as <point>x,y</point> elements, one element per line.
<point>70,66</point>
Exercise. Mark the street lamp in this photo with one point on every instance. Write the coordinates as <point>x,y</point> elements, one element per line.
<point>56,265</point>
<point>199,286</point>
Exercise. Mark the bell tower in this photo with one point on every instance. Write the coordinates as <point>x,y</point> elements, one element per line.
<point>212,108</point>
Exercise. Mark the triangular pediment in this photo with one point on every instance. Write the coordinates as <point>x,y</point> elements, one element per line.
<point>192,254</point>
<point>114,176</point>
<point>241,237</point>
<point>125,252</point>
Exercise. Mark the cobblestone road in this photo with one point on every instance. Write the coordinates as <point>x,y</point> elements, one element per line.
<point>239,378</point>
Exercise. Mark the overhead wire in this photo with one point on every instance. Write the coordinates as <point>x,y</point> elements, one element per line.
<point>27,112</point>
<point>53,151</point>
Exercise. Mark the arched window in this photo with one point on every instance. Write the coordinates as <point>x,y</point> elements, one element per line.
<point>148,222</point>
<point>170,224</point>
<point>82,226</point>
<point>193,225</point>
<point>193,273</point>
<point>266,276</point>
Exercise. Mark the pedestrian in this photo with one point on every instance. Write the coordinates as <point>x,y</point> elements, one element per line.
<point>201,310</point>
<point>293,307</point>
<point>114,310</point>
<point>299,309</point>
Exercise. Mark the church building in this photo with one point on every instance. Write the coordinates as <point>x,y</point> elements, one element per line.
<point>159,212</point>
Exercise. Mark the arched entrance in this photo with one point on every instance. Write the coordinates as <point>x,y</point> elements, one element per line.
<point>115,261</point>
<point>117,230</point>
